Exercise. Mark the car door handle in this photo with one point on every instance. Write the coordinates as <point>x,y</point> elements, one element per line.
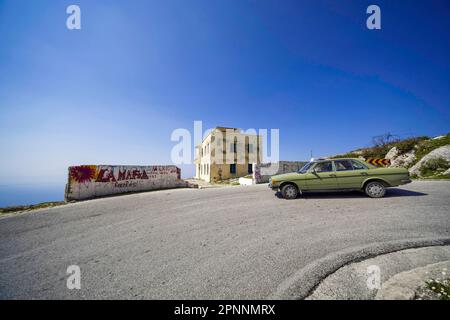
<point>364,173</point>
<point>332,175</point>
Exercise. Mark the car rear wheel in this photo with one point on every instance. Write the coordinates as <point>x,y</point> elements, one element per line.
<point>289,191</point>
<point>375,189</point>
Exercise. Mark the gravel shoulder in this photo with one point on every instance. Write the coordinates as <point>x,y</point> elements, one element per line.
<point>411,284</point>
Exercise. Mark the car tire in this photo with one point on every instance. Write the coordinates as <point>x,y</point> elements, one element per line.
<point>289,191</point>
<point>375,189</point>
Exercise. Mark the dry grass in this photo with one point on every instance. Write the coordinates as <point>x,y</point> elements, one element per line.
<point>31,207</point>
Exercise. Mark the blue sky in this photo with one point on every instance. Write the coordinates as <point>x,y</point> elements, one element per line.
<point>112,92</point>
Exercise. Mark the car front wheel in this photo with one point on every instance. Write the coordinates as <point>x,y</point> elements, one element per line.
<point>289,191</point>
<point>375,189</point>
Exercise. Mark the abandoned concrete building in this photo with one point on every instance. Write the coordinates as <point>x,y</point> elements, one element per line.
<point>227,153</point>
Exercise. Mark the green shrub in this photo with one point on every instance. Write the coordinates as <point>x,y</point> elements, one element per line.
<point>346,155</point>
<point>434,166</point>
<point>426,146</point>
<point>376,152</point>
<point>441,288</point>
<point>408,144</point>
<point>422,145</point>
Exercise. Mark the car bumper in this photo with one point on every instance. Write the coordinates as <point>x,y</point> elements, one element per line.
<point>405,181</point>
<point>273,187</point>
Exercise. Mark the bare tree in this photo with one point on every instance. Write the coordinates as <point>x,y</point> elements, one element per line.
<point>384,139</point>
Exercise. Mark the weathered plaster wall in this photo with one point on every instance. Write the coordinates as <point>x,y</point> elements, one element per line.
<point>225,146</point>
<point>283,167</point>
<point>91,181</point>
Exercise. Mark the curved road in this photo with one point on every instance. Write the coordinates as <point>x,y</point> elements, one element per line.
<point>218,243</point>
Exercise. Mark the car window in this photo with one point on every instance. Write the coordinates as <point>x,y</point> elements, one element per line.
<point>305,167</point>
<point>324,167</point>
<point>343,165</point>
<point>358,165</point>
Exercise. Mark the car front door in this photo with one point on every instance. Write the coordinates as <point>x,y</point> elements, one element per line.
<point>321,177</point>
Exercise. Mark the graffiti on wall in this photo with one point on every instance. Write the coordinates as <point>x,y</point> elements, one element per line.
<point>82,174</point>
<point>122,176</point>
<point>90,181</point>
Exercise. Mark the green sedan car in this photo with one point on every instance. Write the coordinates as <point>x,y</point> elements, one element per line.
<point>339,175</point>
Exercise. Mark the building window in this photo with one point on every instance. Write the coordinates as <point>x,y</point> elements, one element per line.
<point>250,148</point>
<point>250,168</point>
<point>232,168</point>
<point>233,147</point>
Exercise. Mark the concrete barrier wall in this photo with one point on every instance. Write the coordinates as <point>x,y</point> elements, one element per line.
<point>91,181</point>
<point>283,167</point>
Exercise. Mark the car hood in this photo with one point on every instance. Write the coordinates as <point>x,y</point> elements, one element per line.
<point>286,176</point>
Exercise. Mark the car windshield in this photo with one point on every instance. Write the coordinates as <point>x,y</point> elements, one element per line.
<point>305,167</point>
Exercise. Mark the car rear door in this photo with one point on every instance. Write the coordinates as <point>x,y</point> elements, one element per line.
<point>350,173</point>
<point>347,177</point>
<point>321,177</point>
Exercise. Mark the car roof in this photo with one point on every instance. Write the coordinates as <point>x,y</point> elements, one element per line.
<point>334,159</point>
<point>368,165</point>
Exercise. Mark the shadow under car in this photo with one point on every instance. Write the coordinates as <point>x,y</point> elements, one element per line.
<point>390,193</point>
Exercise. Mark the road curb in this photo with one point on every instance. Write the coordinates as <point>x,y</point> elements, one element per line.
<point>303,282</point>
<point>363,280</point>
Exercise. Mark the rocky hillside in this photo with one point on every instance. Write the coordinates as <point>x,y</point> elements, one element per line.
<point>425,157</point>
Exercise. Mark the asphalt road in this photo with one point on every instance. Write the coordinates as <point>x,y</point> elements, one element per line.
<point>223,243</point>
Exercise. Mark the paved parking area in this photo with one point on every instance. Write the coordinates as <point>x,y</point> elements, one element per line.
<point>218,243</point>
